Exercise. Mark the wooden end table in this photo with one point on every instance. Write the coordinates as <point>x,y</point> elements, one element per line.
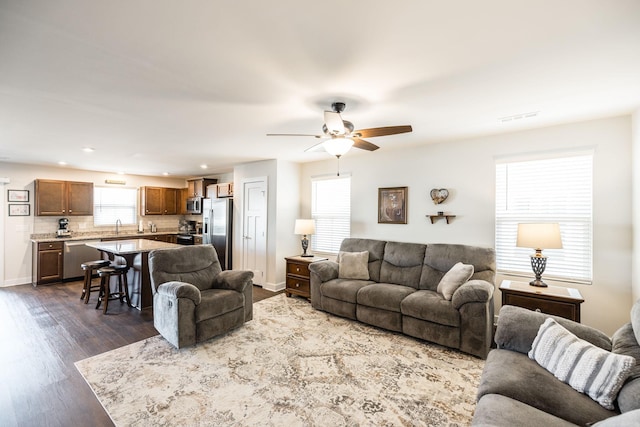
<point>297,280</point>
<point>556,300</point>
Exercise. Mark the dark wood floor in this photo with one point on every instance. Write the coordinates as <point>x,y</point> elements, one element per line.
<point>43,331</point>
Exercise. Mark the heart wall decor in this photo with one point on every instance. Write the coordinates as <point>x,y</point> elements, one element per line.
<point>439,195</point>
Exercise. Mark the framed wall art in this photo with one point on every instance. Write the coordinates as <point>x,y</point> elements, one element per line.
<point>392,205</point>
<point>19,210</point>
<point>18,195</point>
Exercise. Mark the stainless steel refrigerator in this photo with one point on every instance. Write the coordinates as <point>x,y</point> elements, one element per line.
<point>217,225</point>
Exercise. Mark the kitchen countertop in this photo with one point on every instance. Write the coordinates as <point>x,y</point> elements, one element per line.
<point>133,246</point>
<point>51,237</point>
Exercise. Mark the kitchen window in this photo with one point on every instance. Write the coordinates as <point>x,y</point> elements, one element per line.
<point>558,189</point>
<point>331,209</point>
<point>111,204</point>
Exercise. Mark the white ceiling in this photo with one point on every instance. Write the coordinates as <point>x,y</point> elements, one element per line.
<point>161,86</point>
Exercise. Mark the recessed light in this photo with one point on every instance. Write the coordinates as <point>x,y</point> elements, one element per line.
<point>61,163</point>
<point>165,173</point>
<point>88,149</point>
<point>120,173</point>
<point>203,166</point>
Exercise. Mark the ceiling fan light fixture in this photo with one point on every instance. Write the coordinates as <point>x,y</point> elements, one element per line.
<point>338,146</point>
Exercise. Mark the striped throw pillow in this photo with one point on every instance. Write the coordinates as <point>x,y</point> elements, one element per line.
<point>584,366</point>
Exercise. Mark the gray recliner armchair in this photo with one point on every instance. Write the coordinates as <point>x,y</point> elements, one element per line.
<point>193,299</point>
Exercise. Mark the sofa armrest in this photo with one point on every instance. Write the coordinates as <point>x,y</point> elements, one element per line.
<point>236,280</point>
<point>175,290</point>
<point>518,327</point>
<point>472,291</point>
<point>325,270</point>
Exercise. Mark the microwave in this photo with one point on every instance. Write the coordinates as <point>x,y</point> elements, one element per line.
<point>194,205</point>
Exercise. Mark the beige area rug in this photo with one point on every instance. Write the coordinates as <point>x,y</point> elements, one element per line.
<point>290,366</point>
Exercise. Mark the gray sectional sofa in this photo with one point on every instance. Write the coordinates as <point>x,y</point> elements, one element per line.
<point>516,391</point>
<point>400,292</point>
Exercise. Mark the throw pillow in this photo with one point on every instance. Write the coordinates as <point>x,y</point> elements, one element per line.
<point>585,367</point>
<point>353,265</point>
<point>457,276</point>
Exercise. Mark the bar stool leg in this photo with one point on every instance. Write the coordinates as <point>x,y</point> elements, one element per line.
<point>87,283</point>
<point>101,292</point>
<point>107,293</point>
<point>126,288</point>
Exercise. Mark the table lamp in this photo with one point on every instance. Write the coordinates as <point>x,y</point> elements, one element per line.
<point>539,236</point>
<point>305,227</point>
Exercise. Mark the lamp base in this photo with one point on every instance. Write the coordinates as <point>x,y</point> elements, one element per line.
<point>538,283</point>
<point>311,256</point>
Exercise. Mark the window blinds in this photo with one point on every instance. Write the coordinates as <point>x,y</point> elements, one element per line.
<point>111,204</point>
<point>549,190</point>
<point>331,209</point>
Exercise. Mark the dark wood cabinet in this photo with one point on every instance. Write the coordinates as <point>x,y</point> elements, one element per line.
<point>48,261</point>
<point>297,279</point>
<point>68,198</point>
<point>159,201</point>
<point>555,300</point>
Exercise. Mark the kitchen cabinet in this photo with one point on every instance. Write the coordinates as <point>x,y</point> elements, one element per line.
<point>48,259</point>
<point>159,201</point>
<point>68,198</point>
<point>198,187</point>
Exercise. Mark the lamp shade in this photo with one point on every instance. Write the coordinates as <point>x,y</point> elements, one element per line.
<point>539,236</point>
<point>338,146</point>
<point>305,226</point>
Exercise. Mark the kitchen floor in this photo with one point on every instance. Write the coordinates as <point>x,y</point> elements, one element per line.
<point>43,331</point>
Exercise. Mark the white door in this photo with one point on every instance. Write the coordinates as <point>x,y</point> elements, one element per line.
<point>254,229</point>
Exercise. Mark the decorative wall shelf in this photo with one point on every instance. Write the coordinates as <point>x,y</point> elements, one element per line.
<point>433,218</point>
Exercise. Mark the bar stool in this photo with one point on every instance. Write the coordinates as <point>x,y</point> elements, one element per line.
<point>89,268</point>
<point>122,294</point>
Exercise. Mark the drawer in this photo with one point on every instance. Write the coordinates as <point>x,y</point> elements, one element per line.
<point>297,284</point>
<point>298,269</point>
<point>43,246</point>
<point>557,308</point>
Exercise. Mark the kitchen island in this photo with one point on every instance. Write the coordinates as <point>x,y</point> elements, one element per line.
<point>135,254</point>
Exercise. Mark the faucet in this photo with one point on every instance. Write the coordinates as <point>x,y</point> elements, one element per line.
<point>118,222</point>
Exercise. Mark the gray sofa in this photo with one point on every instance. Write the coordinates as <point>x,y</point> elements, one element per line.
<point>193,299</point>
<point>402,295</point>
<point>516,391</point>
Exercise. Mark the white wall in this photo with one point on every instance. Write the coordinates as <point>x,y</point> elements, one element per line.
<point>467,169</point>
<point>17,230</point>
<point>635,130</point>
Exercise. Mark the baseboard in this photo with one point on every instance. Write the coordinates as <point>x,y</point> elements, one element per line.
<point>274,287</point>
<point>16,282</point>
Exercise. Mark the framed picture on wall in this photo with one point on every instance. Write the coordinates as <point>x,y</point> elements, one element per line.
<point>19,210</point>
<point>392,205</point>
<point>18,195</point>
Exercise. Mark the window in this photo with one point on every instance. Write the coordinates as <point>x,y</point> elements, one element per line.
<point>111,204</point>
<point>550,190</point>
<point>331,209</point>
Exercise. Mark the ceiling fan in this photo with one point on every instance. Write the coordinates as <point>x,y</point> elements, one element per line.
<point>342,135</point>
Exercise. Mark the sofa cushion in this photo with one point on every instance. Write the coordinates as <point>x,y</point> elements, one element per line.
<point>402,264</point>
<point>385,296</point>
<point>431,306</point>
<point>514,375</point>
<point>343,289</point>
<point>216,302</point>
<point>375,249</point>
<point>440,257</point>
<point>518,327</point>
<point>457,276</point>
<point>624,342</point>
<point>585,367</point>
<point>494,410</point>
<point>353,265</point>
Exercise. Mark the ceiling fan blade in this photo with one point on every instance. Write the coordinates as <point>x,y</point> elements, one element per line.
<point>295,134</point>
<point>318,147</point>
<point>383,131</point>
<point>364,145</point>
<point>334,123</point>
